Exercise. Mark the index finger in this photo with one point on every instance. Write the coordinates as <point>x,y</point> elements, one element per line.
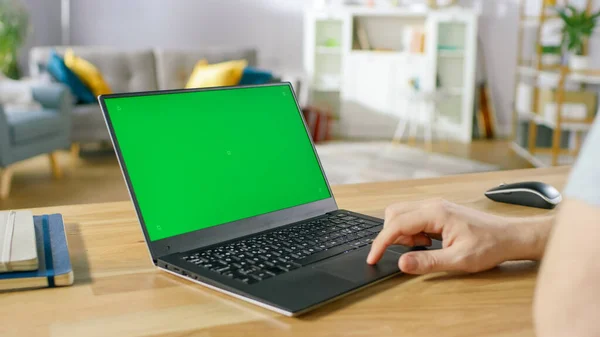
<point>411,223</point>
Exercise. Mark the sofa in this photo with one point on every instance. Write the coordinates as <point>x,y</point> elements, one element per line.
<point>129,71</point>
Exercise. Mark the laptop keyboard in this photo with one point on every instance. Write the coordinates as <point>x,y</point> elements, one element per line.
<point>276,252</point>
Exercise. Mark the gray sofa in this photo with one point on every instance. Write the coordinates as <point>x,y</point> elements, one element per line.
<point>132,70</point>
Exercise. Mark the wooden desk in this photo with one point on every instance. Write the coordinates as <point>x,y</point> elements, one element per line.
<point>118,292</point>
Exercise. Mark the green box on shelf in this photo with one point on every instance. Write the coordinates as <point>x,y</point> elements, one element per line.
<point>543,136</point>
<point>551,50</point>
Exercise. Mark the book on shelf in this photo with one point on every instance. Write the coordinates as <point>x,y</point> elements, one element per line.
<point>362,37</point>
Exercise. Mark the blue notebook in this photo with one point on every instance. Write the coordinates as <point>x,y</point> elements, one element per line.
<point>53,256</point>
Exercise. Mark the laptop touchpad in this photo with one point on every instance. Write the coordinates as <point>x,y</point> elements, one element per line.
<point>353,267</point>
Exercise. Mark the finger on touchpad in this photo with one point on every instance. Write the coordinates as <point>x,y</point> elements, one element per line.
<point>352,266</point>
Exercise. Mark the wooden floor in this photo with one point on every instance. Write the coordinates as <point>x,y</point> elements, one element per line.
<point>96,177</point>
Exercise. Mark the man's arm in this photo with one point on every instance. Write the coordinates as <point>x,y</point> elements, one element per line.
<point>567,299</point>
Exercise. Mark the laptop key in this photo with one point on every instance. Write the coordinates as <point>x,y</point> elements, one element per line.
<point>324,254</point>
<point>288,266</point>
<point>363,233</point>
<point>246,270</point>
<point>221,263</point>
<point>261,265</point>
<point>375,229</point>
<point>359,243</point>
<point>248,280</point>
<point>260,275</point>
<point>274,271</point>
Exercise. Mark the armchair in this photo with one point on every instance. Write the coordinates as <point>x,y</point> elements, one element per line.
<point>25,134</point>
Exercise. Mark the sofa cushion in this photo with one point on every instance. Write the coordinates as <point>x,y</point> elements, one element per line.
<point>85,115</point>
<point>58,69</point>
<point>88,124</point>
<point>174,66</point>
<point>88,73</point>
<point>124,70</point>
<point>216,75</point>
<point>253,75</point>
<point>29,126</point>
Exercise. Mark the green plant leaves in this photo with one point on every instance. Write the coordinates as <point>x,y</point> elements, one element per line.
<point>13,30</point>
<point>579,25</point>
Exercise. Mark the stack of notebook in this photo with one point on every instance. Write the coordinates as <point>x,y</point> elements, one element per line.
<point>33,251</point>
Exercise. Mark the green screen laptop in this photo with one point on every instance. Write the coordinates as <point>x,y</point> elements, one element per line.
<point>230,193</point>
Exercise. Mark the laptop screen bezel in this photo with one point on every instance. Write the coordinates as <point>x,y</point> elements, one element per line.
<point>227,231</point>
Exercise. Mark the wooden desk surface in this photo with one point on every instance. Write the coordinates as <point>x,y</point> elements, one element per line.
<point>117,291</point>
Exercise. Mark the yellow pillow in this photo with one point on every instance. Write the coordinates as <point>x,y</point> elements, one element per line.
<point>88,73</point>
<point>216,75</point>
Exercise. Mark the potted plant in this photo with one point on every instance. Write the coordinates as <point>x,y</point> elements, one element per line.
<point>551,55</point>
<point>578,26</point>
<point>13,30</point>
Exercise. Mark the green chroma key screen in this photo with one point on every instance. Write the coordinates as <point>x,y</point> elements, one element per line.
<point>205,158</point>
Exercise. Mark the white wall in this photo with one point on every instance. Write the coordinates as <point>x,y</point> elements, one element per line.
<point>498,24</point>
<point>272,26</point>
<point>44,17</point>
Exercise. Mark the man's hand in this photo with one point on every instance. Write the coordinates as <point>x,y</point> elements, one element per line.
<point>472,240</point>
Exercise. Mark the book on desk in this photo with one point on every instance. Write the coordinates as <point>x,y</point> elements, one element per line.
<point>53,266</point>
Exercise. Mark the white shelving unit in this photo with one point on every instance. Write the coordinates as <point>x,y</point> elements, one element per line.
<point>323,50</point>
<point>323,61</point>
<point>368,90</point>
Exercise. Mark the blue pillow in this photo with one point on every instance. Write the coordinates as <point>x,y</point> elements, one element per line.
<point>58,69</point>
<point>255,76</point>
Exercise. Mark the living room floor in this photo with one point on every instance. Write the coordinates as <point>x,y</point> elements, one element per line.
<point>95,177</point>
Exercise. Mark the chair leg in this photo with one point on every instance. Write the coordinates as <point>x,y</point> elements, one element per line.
<point>5,181</point>
<point>75,149</point>
<point>399,133</point>
<point>56,170</point>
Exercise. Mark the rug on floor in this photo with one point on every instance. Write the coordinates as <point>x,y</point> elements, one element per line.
<point>350,163</point>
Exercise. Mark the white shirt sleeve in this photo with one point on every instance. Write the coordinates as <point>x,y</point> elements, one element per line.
<point>584,180</point>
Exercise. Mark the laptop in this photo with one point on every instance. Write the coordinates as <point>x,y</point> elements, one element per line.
<point>230,193</point>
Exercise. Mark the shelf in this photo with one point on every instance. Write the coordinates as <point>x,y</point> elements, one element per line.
<point>381,53</point>
<point>451,53</point>
<point>324,50</point>
<point>524,153</point>
<point>541,159</point>
<point>325,87</point>
<point>391,11</point>
<point>581,77</point>
<point>567,125</point>
<point>456,91</point>
<point>534,21</point>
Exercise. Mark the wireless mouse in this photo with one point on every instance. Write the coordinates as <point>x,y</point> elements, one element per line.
<point>527,193</point>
